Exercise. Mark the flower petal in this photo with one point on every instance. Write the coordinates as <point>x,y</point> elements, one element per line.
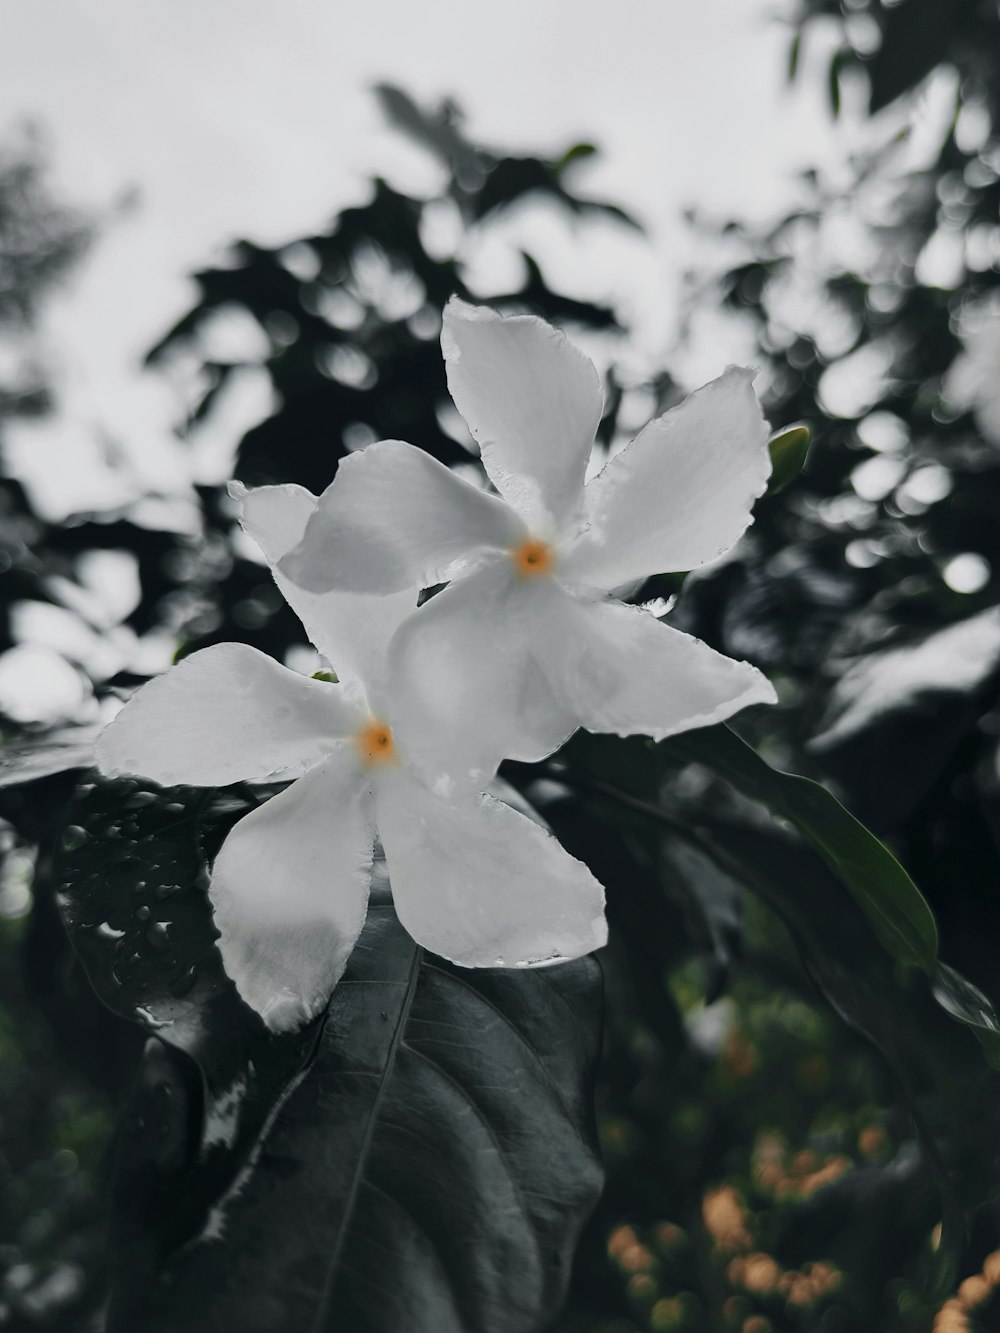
<point>466,690</point>
<point>393,518</point>
<point>621,670</point>
<point>532,400</point>
<point>681,493</point>
<point>351,631</point>
<point>482,885</point>
<point>290,892</point>
<point>225,714</point>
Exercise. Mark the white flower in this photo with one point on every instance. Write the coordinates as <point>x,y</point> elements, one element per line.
<point>973,381</point>
<point>472,879</point>
<point>526,645</point>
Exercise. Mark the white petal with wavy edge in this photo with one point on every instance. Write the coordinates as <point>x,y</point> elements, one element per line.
<point>533,402</point>
<point>480,884</point>
<point>225,714</point>
<point>290,892</point>
<point>394,518</point>
<point>466,691</point>
<point>622,671</point>
<point>681,493</point>
<point>351,631</point>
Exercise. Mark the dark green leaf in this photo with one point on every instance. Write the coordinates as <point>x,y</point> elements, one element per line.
<point>133,878</point>
<point>132,892</point>
<point>576,153</point>
<point>894,906</point>
<point>430,1170</point>
<point>794,52</point>
<point>424,1158</point>
<point>837,61</point>
<point>968,1004</point>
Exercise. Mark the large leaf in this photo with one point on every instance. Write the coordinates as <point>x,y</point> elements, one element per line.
<point>133,876</point>
<point>894,906</point>
<point>423,1158</point>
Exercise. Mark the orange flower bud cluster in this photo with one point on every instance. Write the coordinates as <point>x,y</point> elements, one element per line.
<point>953,1317</point>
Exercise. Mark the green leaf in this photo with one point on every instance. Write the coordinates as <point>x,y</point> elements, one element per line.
<point>575,153</point>
<point>794,55</point>
<point>133,879</point>
<point>837,62</point>
<point>896,909</point>
<point>788,450</point>
<point>424,1157</point>
<point>969,1005</point>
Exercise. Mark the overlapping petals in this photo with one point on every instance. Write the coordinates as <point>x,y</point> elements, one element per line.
<point>352,633</point>
<point>423,510</point>
<point>290,885</point>
<point>469,688</point>
<point>524,645</point>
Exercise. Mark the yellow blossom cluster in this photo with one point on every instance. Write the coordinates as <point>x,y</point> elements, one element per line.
<point>640,1259</point>
<point>753,1271</point>
<point>974,1291</point>
<point>724,1216</point>
<point>762,1275</point>
<point>798,1178</point>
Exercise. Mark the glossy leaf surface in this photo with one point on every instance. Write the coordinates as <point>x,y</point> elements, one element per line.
<point>894,906</point>
<point>424,1157</point>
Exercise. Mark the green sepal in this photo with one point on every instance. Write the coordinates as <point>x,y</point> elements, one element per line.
<point>789,450</point>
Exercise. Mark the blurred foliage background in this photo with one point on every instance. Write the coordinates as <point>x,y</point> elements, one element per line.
<point>787,1125</point>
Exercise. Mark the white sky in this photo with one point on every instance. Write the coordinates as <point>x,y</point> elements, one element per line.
<point>254,117</point>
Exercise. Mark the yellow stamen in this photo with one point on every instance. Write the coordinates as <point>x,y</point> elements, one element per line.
<point>375,745</point>
<point>532,559</point>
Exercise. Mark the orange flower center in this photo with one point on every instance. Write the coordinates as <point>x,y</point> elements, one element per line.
<point>375,745</point>
<point>532,559</point>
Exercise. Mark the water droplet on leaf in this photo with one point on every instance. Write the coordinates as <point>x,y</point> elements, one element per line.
<point>158,935</point>
<point>182,984</point>
<point>150,1020</point>
<point>139,799</point>
<point>73,837</point>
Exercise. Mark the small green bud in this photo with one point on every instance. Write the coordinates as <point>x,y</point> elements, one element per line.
<point>788,450</point>
<point>329,676</point>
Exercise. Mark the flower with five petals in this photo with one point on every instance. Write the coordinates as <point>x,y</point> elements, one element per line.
<point>472,879</point>
<point>527,643</point>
